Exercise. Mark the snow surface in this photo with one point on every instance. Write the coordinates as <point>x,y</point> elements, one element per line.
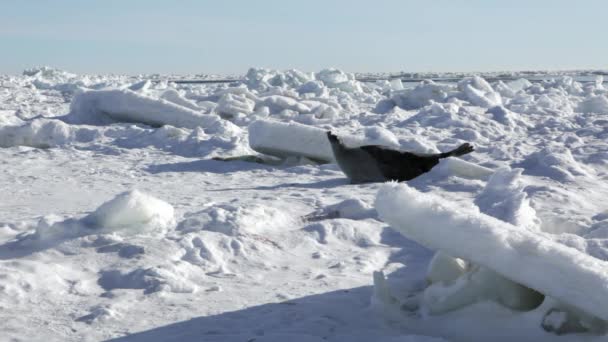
<point>117,223</point>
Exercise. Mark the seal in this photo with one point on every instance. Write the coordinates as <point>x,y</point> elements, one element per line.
<point>375,163</point>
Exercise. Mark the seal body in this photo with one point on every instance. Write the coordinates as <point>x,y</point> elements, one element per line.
<point>374,163</point>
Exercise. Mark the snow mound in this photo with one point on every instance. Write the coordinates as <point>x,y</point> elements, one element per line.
<point>504,198</point>
<point>594,104</point>
<point>439,115</point>
<point>343,232</point>
<point>174,96</point>
<point>422,95</point>
<point>278,103</point>
<point>263,79</point>
<point>107,106</point>
<point>20,278</point>
<point>479,92</point>
<point>528,258</point>
<point>234,104</point>
<point>554,162</point>
<point>234,220</point>
<point>334,78</point>
<point>168,278</point>
<point>353,209</point>
<point>43,133</point>
<point>132,212</point>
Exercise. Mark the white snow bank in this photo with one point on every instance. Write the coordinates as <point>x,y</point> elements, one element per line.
<point>290,139</point>
<point>107,106</point>
<point>132,212</point>
<point>531,259</point>
<point>43,133</point>
<point>504,198</point>
<point>594,104</point>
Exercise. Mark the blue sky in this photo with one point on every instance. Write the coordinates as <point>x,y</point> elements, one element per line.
<point>224,36</point>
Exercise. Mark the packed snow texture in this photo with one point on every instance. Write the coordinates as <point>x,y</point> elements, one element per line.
<point>214,247</point>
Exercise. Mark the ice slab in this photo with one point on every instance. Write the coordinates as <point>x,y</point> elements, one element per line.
<point>290,139</point>
<point>531,259</point>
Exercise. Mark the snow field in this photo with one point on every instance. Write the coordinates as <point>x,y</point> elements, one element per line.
<point>233,251</point>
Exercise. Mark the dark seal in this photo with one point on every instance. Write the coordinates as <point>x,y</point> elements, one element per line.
<point>374,163</point>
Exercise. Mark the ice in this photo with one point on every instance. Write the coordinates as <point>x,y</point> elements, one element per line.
<point>289,139</point>
<point>277,103</point>
<point>132,212</point>
<point>504,198</point>
<point>479,92</point>
<point>528,258</point>
<point>422,95</point>
<point>106,106</point>
<point>43,133</point>
<point>554,162</point>
<point>221,243</point>
<point>234,104</point>
<point>594,104</point>
<point>174,96</point>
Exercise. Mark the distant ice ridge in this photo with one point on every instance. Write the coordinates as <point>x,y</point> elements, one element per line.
<point>47,78</point>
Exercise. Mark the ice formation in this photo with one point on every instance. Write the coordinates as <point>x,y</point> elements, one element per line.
<point>530,259</point>
<point>296,242</point>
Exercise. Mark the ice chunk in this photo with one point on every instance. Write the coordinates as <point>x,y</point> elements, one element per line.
<point>174,96</point>
<point>277,103</point>
<point>504,198</point>
<point>477,285</point>
<point>479,92</point>
<point>445,269</point>
<point>530,259</point>
<point>132,212</point>
<point>234,104</point>
<point>290,139</point>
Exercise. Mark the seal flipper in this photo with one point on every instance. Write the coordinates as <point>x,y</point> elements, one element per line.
<point>459,151</point>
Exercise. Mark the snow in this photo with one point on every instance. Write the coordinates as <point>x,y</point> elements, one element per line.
<point>137,208</point>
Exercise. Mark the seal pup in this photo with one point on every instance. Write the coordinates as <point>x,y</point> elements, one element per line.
<point>374,163</point>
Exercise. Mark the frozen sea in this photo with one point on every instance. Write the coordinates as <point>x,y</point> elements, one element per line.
<point>135,208</point>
